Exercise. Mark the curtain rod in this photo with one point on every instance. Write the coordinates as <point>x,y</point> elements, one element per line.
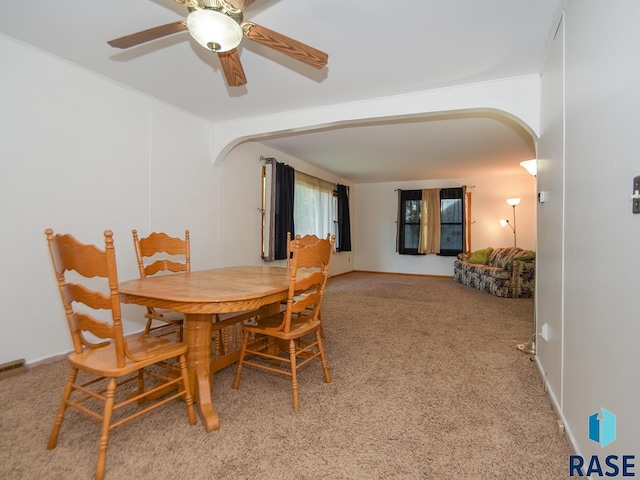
<point>468,186</point>
<point>274,160</point>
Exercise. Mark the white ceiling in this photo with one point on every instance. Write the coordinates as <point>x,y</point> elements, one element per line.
<point>376,48</point>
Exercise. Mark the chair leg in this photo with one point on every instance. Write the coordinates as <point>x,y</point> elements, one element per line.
<point>106,423</point>
<point>147,327</point>
<point>323,359</point>
<point>179,334</point>
<point>245,340</point>
<point>294,374</point>
<point>321,325</point>
<point>68,388</point>
<point>188,399</point>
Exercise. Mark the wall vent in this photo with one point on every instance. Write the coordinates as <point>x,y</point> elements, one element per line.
<point>14,367</point>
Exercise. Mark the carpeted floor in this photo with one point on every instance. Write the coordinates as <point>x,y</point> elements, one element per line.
<point>427,383</point>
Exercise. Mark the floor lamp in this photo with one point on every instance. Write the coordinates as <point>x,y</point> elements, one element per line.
<point>529,348</point>
<point>513,202</point>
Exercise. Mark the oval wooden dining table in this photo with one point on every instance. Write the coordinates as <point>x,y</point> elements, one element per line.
<point>199,295</point>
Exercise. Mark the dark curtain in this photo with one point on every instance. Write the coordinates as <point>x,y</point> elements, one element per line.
<point>285,187</point>
<point>344,222</point>
<point>398,220</point>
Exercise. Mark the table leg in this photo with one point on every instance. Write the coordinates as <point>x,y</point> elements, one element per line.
<point>197,334</point>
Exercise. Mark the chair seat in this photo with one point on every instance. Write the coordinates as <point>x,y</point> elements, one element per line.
<point>300,326</point>
<point>102,361</point>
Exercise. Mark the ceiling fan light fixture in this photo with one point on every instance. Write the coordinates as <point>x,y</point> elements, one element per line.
<point>214,30</point>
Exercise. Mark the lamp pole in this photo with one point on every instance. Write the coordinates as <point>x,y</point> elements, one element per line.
<point>514,225</point>
<point>513,202</point>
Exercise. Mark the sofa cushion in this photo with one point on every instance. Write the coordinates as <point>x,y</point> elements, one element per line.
<point>522,256</point>
<point>501,257</point>
<point>525,256</point>
<point>479,270</point>
<point>480,256</point>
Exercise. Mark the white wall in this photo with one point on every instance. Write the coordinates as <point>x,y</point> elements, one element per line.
<point>550,261</point>
<point>377,207</point>
<point>600,323</point>
<point>239,202</point>
<point>81,154</point>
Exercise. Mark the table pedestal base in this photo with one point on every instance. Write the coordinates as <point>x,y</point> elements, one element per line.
<point>197,334</point>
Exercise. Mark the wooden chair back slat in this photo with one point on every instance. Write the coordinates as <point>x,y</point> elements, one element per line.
<point>83,322</point>
<point>305,302</point>
<point>304,284</point>
<point>161,242</point>
<point>164,266</point>
<point>71,255</point>
<point>91,298</point>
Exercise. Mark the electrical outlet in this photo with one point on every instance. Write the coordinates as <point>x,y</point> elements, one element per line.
<point>544,332</point>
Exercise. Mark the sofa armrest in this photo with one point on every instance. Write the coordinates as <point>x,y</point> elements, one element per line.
<point>523,278</point>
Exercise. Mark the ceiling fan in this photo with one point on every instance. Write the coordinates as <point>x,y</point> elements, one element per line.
<point>218,26</point>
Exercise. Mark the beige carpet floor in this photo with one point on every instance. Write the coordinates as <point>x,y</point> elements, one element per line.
<point>427,383</point>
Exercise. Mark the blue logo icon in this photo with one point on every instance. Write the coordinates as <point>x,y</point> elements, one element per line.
<point>602,430</point>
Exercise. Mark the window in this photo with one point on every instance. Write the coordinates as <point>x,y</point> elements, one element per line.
<point>450,221</point>
<point>301,204</point>
<point>409,221</point>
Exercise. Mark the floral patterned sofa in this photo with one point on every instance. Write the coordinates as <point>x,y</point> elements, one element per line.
<point>503,272</point>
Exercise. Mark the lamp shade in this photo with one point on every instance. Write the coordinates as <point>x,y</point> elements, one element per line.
<point>530,166</point>
<point>504,222</point>
<point>513,201</point>
<point>214,30</point>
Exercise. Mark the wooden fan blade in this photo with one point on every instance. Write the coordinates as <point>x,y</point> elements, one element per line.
<point>148,35</point>
<point>283,44</point>
<point>240,4</point>
<point>233,71</point>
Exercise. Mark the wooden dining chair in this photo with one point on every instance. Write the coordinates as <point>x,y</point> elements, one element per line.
<point>107,359</point>
<point>303,240</point>
<point>288,329</point>
<point>156,254</point>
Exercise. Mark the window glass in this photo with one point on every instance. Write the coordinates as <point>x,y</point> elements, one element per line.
<point>313,206</point>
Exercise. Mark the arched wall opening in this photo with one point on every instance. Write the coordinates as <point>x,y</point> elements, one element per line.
<point>517,99</point>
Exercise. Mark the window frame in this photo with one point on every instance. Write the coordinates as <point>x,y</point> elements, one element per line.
<point>404,196</point>
<point>456,193</point>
